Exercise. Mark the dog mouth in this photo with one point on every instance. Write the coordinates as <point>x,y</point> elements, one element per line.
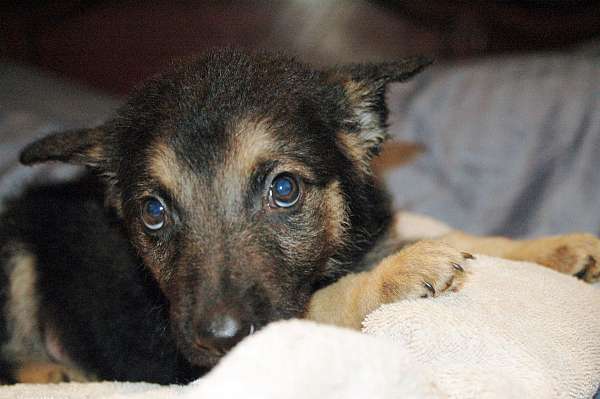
<point>205,333</point>
<point>206,350</point>
<point>203,358</point>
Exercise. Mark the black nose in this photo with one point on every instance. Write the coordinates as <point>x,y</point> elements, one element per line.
<point>220,333</point>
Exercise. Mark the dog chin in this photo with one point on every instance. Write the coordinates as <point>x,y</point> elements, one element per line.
<point>196,356</point>
<point>201,358</point>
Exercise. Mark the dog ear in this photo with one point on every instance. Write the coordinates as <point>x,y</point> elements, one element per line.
<point>87,147</point>
<point>365,86</point>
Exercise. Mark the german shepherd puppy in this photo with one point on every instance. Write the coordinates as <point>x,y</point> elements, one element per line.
<point>230,192</point>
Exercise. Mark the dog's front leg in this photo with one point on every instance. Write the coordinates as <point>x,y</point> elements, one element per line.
<point>575,254</point>
<point>48,373</point>
<point>427,268</point>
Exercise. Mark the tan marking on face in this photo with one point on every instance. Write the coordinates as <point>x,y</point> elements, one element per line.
<point>354,148</point>
<point>336,213</point>
<point>171,173</point>
<point>252,142</point>
<point>22,311</point>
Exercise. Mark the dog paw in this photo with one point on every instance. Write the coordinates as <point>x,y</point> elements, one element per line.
<point>574,254</point>
<point>425,269</point>
<point>48,373</point>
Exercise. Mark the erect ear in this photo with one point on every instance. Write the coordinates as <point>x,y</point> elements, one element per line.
<point>87,147</point>
<point>365,86</point>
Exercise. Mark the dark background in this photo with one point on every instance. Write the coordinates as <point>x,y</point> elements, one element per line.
<point>113,45</point>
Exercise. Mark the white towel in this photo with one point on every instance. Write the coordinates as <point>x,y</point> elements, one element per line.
<point>516,330</point>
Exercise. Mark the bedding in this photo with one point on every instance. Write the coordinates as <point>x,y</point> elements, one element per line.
<point>32,104</point>
<point>512,143</point>
<point>512,149</point>
<point>516,330</point>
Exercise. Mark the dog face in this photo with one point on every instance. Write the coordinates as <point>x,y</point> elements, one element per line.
<point>243,182</point>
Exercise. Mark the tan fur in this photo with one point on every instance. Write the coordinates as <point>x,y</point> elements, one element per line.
<point>394,154</point>
<point>252,142</point>
<point>48,373</point>
<point>344,303</point>
<point>570,253</point>
<point>165,167</point>
<point>361,97</point>
<point>357,91</point>
<point>353,147</point>
<point>336,214</point>
<point>399,276</point>
<point>26,347</point>
<point>359,146</point>
<point>21,310</point>
<point>96,153</point>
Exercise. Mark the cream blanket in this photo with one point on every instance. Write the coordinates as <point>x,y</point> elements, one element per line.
<point>516,330</point>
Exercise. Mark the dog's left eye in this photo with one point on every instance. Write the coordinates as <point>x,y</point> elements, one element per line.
<point>154,213</point>
<point>284,191</point>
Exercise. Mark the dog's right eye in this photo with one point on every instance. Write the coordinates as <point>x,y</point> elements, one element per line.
<point>154,213</point>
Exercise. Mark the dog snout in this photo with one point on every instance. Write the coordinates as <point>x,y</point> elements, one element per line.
<point>220,333</point>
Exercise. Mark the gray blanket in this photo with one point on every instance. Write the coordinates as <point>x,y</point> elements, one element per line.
<point>33,104</point>
<point>513,144</point>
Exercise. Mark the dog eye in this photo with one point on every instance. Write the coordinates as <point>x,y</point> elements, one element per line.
<point>284,191</point>
<point>154,213</point>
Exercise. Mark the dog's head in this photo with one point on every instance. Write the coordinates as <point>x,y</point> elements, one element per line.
<point>244,183</point>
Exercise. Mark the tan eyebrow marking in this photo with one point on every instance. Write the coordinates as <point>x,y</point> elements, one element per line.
<point>171,173</point>
<point>252,142</point>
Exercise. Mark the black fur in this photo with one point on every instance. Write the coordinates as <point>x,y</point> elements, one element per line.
<point>6,376</point>
<point>115,313</point>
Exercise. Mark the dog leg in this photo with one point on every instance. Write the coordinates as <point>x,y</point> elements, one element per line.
<point>427,268</point>
<point>574,254</point>
<point>48,373</point>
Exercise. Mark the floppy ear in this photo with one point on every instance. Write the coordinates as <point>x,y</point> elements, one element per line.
<point>87,147</point>
<point>365,86</point>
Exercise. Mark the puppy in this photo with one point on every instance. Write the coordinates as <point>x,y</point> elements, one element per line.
<point>233,191</point>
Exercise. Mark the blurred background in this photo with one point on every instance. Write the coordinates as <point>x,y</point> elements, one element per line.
<point>509,116</point>
<point>113,45</point>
